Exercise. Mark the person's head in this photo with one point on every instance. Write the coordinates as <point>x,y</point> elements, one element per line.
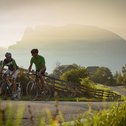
<point>8,55</point>
<point>34,52</point>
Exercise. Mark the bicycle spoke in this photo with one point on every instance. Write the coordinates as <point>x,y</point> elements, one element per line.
<point>28,87</point>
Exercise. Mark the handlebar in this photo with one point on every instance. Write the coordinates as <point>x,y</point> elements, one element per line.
<point>35,74</point>
<point>45,75</point>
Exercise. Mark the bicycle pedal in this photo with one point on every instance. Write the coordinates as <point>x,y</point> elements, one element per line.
<point>7,87</point>
<point>37,98</point>
<point>42,92</point>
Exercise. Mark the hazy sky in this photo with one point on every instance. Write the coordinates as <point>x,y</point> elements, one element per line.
<point>16,15</point>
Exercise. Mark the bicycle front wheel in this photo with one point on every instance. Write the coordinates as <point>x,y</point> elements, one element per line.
<point>32,90</point>
<point>6,91</point>
<point>46,93</point>
<point>28,87</point>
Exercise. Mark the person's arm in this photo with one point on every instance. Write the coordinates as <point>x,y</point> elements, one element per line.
<point>14,66</point>
<point>14,70</point>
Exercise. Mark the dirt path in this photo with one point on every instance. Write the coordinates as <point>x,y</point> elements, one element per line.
<point>70,110</point>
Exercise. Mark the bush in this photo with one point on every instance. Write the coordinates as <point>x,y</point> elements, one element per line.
<point>74,75</point>
<point>87,82</point>
<point>23,79</point>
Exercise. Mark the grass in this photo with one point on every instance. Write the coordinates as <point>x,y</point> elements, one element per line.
<point>78,99</point>
<point>114,116</point>
<point>102,87</point>
<point>75,99</point>
<point>11,116</point>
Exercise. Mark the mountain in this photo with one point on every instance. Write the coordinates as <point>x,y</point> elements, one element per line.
<point>84,45</point>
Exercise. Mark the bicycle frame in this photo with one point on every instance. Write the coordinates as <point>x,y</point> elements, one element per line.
<point>7,89</point>
<point>33,88</point>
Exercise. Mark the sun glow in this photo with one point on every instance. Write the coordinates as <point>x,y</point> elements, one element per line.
<point>10,36</point>
<point>16,16</point>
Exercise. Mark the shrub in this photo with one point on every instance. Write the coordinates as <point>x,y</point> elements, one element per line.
<point>74,75</point>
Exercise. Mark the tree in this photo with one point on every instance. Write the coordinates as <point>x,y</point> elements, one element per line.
<point>120,77</point>
<point>124,74</point>
<point>124,69</point>
<point>60,69</point>
<point>102,75</point>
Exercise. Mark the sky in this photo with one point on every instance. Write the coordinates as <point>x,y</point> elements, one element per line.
<point>17,15</point>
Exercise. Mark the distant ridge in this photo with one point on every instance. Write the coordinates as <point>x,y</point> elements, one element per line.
<point>84,45</point>
<point>50,34</point>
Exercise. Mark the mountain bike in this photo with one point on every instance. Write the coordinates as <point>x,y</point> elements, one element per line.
<point>33,89</point>
<point>6,89</point>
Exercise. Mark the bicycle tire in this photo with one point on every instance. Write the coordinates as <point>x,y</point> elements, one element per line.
<point>6,91</point>
<point>31,90</point>
<point>34,92</point>
<point>21,88</point>
<point>46,93</point>
<point>28,87</point>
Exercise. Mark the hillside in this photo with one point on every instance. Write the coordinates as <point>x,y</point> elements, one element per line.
<point>84,45</point>
<point>65,34</point>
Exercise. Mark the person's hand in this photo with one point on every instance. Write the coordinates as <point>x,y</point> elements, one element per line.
<point>11,74</point>
<point>27,72</point>
<point>32,71</point>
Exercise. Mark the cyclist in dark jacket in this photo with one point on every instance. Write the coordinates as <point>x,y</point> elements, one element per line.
<point>11,73</point>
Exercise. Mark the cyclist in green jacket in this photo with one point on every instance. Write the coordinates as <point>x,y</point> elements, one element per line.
<point>40,66</point>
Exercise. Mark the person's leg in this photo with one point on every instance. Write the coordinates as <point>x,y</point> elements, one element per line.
<point>42,76</point>
<point>8,80</point>
<point>7,77</point>
<point>14,89</point>
<point>42,81</point>
<point>14,85</point>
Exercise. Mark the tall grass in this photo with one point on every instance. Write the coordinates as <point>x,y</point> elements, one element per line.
<point>11,115</point>
<point>115,116</point>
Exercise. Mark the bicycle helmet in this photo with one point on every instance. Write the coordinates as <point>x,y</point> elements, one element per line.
<point>34,51</point>
<point>8,54</point>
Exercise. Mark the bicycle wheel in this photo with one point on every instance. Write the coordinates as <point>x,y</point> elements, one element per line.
<point>46,93</point>
<point>6,91</point>
<point>28,87</point>
<point>19,89</point>
<point>33,91</point>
